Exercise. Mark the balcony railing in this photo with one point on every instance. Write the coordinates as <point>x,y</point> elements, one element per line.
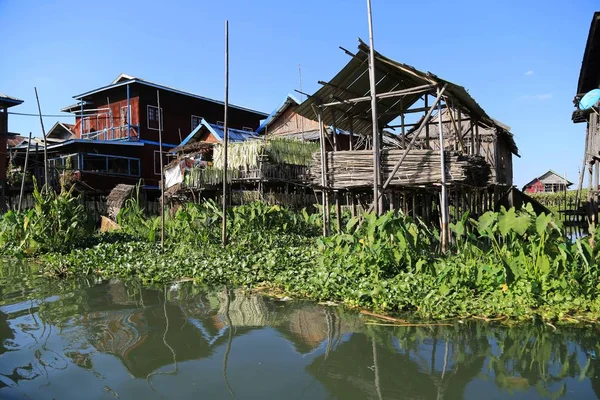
<point>114,133</point>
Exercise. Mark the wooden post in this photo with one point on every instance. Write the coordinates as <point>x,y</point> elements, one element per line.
<point>24,173</point>
<point>444,198</point>
<point>472,152</point>
<point>590,196</point>
<point>373,92</point>
<point>459,133</point>
<point>351,145</point>
<point>333,131</point>
<point>323,172</point>
<point>477,139</point>
<point>338,213</point>
<point>427,122</point>
<point>596,184</point>
<point>46,183</point>
<point>162,175</point>
<point>582,172</point>
<point>403,130</point>
<point>225,136</point>
<point>37,161</point>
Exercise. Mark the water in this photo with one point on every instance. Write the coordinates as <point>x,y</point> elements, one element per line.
<point>105,340</point>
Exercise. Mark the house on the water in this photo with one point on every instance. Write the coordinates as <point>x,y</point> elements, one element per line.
<point>589,79</point>
<point>115,136</point>
<point>550,182</point>
<point>6,102</point>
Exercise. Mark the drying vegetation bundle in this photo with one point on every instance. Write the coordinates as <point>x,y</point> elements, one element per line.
<point>351,169</point>
<point>248,154</point>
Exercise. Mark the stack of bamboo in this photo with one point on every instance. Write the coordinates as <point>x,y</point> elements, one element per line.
<point>352,169</point>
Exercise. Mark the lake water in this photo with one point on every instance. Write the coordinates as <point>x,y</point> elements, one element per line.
<point>91,339</point>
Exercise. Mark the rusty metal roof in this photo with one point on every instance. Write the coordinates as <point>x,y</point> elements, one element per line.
<point>353,81</point>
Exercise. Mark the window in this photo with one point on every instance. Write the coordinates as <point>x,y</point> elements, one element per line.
<point>114,165</point>
<point>153,118</point>
<point>68,162</point>
<point>196,121</point>
<point>157,161</point>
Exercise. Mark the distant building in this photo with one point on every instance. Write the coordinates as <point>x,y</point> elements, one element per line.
<point>550,182</point>
<point>5,103</point>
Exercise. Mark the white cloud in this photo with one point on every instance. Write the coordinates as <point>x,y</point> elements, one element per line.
<point>529,73</point>
<point>539,97</point>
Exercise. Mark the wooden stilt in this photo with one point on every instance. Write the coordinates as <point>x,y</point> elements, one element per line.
<point>324,196</point>
<point>338,211</point>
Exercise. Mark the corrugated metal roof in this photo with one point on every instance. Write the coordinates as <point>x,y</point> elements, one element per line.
<point>9,100</point>
<point>77,106</point>
<point>123,79</point>
<point>353,81</point>
<point>289,101</point>
<point>235,135</point>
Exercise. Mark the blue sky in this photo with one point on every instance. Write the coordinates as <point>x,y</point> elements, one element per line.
<point>519,59</point>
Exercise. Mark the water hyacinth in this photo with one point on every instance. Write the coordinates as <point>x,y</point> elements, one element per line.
<point>507,264</point>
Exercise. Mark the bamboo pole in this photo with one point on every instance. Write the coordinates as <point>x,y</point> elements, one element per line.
<point>427,125</point>
<point>24,173</point>
<point>477,139</point>
<point>351,139</point>
<point>403,130</point>
<point>44,135</point>
<point>323,172</point>
<point>424,123</point>
<point>110,117</point>
<point>225,136</point>
<point>444,199</point>
<point>162,175</point>
<point>376,171</point>
<point>338,212</point>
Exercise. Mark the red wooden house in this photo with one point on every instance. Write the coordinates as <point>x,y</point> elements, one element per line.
<point>550,182</point>
<point>115,136</point>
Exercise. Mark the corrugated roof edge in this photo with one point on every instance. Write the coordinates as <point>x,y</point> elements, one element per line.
<point>282,107</point>
<point>163,87</point>
<point>10,99</point>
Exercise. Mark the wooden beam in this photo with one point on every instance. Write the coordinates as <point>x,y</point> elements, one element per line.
<point>395,93</point>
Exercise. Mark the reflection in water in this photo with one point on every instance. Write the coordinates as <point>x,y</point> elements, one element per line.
<point>115,339</point>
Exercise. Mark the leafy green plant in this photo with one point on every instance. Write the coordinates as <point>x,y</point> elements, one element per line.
<point>57,223</point>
